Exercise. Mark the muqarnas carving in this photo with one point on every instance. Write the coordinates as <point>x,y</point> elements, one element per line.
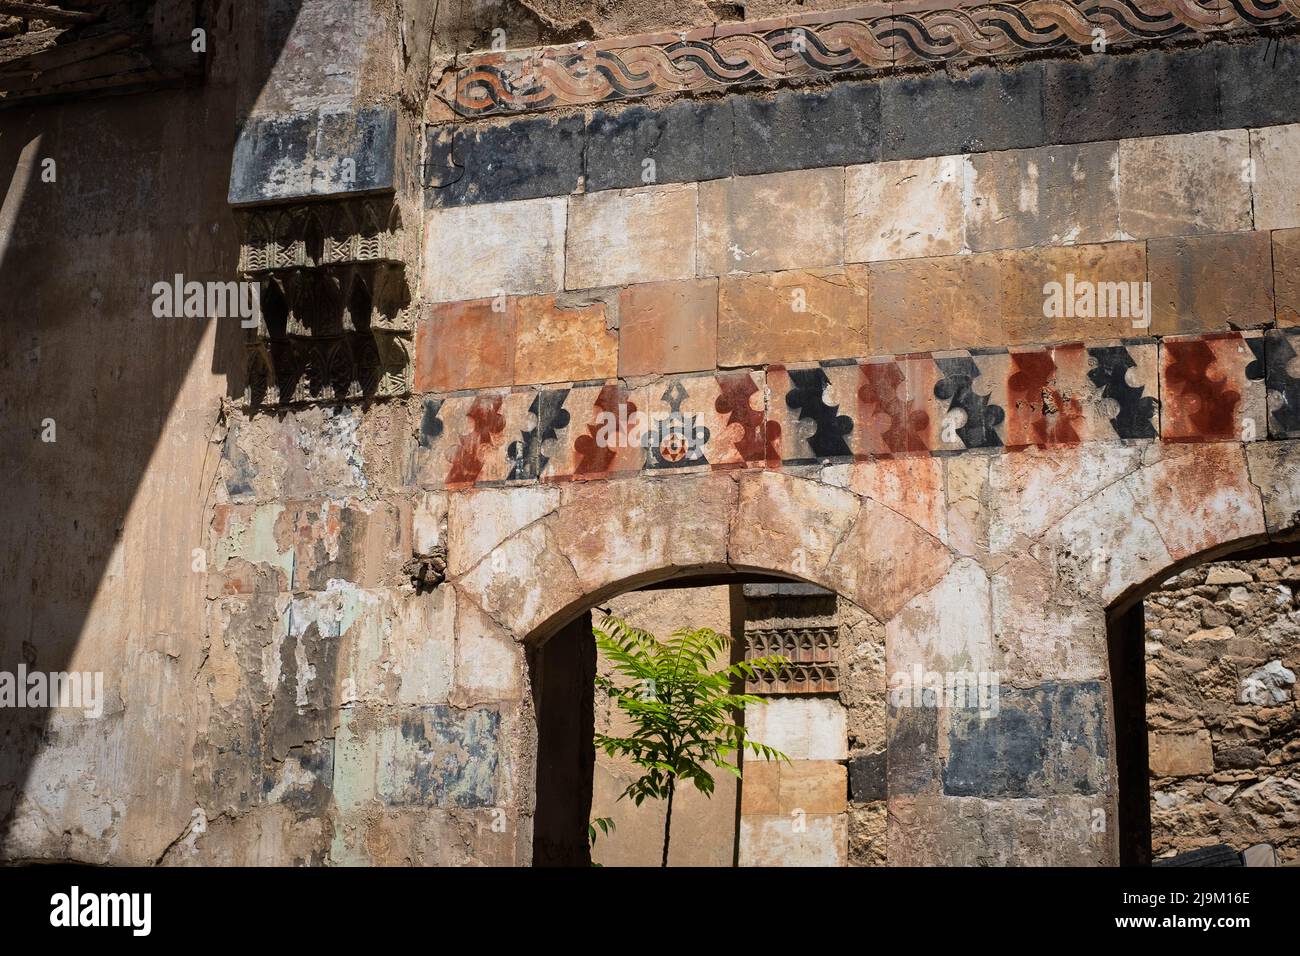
<point>335,320</point>
<point>813,653</point>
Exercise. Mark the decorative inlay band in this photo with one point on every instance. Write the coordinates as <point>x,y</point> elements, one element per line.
<point>862,39</point>
<point>812,652</point>
<point>313,235</point>
<point>1218,387</point>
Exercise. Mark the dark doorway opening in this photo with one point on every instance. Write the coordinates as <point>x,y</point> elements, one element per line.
<point>563,671</point>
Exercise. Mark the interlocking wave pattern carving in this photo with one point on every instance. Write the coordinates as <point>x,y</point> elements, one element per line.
<point>858,40</point>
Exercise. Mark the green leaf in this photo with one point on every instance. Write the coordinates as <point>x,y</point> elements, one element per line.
<point>679,711</point>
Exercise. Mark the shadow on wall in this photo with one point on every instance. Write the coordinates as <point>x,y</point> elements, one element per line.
<point>102,518</point>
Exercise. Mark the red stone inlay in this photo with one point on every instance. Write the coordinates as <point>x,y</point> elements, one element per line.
<point>592,459</point>
<point>488,424</point>
<point>759,440</point>
<point>1199,402</point>
<point>892,420</point>
<point>1038,413</point>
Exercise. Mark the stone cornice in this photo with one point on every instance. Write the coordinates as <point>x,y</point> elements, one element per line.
<point>866,39</point>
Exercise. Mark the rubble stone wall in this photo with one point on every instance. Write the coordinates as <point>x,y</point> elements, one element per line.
<point>1223,650</point>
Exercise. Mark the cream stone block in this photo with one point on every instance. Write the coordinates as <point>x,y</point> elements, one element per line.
<point>948,628</point>
<point>1033,489</point>
<point>971,831</point>
<point>1043,630</point>
<point>794,840</point>
<point>790,524</point>
<point>1047,196</point>
<point>1276,154</point>
<point>527,585</point>
<point>422,641</point>
<point>490,664</point>
<point>768,223</point>
<point>905,209</point>
<point>621,236</point>
<point>1107,545</point>
<point>966,488</point>
<point>480,519</point>
<point>802,728</point>
<point>393,646</point>
<point>1275,470</point>
<point>1184,185</point>
<point>482,251</point>
<point>429,521</point>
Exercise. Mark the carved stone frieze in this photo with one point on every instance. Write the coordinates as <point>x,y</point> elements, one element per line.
<point>863,40</point>
<point>813,654</point>
<point>335,318</point>
<point>801,624</point>
<point>319,234</point>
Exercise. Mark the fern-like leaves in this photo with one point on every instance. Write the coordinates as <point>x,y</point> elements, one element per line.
<point>682,714</point>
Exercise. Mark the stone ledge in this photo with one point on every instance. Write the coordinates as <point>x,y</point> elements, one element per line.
<point>875,39</point>
<point>1097,98</point>
<point>280,158</point>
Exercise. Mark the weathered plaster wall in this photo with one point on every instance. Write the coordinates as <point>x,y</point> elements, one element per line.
<point>1223,648</point>
<point>101,524</point>
<point>104,556</point>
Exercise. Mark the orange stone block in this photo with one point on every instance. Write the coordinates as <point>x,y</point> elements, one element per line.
<point>796,316</point>
<point>465,345</point>
<point>920,305</point>
<point>760,786</point>
<point>813,786</point>
<point>1286,276</point>
<point>1074,293</point>
<point>1211,283</point>
<point>667,327</point>
<point>558,343</point>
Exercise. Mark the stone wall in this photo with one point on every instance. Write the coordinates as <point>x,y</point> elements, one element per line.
<point>315,605</point>
<point>107,450</point>
<point>828,704</point>
<point>1223,649</point>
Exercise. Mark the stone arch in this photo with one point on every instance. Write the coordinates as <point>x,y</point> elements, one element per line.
<point>533,558</point>
<point>525,562</point>
<point>1206,503</point>
<point>821,729</point>
<point>1111,519</point>
<point>971,561</point>
<point>1081,535</point>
